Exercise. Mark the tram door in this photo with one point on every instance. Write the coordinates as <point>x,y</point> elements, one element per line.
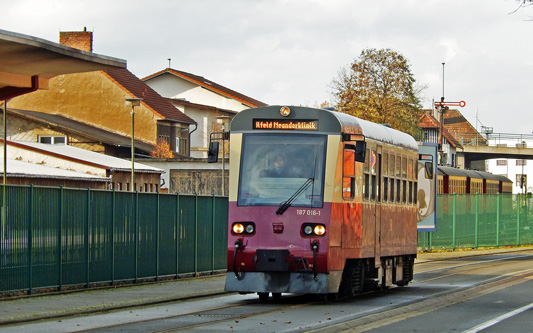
<point>376,173</point>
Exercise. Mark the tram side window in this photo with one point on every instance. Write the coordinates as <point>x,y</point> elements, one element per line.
<point>404,179</point>
<point>410,180</point>
<point>385,177</point>
<point>348,179</point>
<point>366,187</point>
<point>398,179</point>
<point>415,193</point>
<point>391,177</point>
<point>374,169</point>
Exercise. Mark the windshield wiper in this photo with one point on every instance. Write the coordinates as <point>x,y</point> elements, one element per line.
<point>286,204</point>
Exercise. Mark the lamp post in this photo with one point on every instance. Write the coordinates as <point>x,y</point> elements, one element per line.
<point>133,102</point>
<point>223,120</point>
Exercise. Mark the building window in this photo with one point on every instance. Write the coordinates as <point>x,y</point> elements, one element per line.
<point>53,140</point>
<point>501,162</point>
<point>521,162</point>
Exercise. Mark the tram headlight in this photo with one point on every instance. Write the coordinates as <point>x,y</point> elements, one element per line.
<point>313,229</point>
<point>238,228</point>
<point>249,229</point>
<point>243,228</point>
<point>319,230</point>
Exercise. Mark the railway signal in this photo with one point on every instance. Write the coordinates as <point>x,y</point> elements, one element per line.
<point>443,106</point>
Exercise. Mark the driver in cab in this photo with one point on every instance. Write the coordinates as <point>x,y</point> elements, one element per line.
<point>279,168</point>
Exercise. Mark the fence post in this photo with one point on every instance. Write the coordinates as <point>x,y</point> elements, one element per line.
<point>177,230</point>
<point>113,218</point>
<point>87,228</point>
<point>453,221</point>
<point>136,220</point>
<point>518,223</point>
<point>497,220</point>
<point>476,232</point>
<point>195,233</point>
<point>213,238</point>
<point>60,239</point>
<point>30,242</point>
<point>157,237</point>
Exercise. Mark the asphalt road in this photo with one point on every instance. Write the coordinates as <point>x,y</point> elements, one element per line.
<point>490,292</point>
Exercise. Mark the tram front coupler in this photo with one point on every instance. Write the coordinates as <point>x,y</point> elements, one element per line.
<point>314,248</point>
<point>239,246</point>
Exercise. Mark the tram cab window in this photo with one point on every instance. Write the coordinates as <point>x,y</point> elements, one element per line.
<point>275,167</point>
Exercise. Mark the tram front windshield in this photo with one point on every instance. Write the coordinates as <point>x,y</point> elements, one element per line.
<point>278,167</point>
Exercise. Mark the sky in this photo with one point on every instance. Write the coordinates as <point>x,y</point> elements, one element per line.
<point>288,52</point>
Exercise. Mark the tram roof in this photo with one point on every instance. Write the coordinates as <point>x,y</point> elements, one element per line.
<point>503,179</point>
<point>331,122</point>
<point>487,175</point>
<point>451,171</point>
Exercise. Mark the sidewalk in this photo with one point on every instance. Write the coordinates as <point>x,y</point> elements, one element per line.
<point>86,301</point>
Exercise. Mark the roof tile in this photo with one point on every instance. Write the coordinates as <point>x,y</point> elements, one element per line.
<point>150,97</point>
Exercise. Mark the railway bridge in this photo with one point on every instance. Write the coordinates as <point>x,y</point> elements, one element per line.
<point>500,145</point>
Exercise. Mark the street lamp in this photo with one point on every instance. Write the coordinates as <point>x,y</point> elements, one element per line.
<point>133,102</point>
<point>223,120</point>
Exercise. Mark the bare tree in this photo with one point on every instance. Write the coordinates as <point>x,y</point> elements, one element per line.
<point>522,4</point>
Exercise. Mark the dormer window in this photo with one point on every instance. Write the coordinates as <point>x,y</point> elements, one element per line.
<point>53,139</point>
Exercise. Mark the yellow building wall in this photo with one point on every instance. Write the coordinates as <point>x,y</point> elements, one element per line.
<point>92,98</point>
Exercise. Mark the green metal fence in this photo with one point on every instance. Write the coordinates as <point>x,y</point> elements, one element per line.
<point>471,221</point>
<point>57,237</point>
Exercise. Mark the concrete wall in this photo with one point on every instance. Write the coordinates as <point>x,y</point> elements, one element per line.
<point>190,176</point>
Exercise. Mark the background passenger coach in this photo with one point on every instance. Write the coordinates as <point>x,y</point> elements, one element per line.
<point>320,202</point>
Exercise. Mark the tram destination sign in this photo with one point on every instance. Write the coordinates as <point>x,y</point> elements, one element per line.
<point>285,124</point>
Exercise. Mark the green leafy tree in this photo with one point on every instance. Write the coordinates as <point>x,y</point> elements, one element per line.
<point>379,86</point>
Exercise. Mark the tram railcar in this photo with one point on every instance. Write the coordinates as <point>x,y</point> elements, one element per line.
<point>460,181</point>
<point>320,202</point>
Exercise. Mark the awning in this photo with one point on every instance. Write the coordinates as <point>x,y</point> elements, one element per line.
<point>27,63</point>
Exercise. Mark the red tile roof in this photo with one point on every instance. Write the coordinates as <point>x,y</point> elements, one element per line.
<point>428,121</point>
<point>210,85</point>
<point>151,99</point>
<point>460,128</point>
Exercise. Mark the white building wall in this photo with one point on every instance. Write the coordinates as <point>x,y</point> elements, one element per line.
<point>510,168</point>
<point>171,86</point>
<point>174,87</point>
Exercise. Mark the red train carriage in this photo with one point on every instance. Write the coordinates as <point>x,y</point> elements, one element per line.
<point>460,181</point>
<point>320,202</point>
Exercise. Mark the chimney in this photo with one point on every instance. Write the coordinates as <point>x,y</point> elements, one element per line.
<point>81,40</point>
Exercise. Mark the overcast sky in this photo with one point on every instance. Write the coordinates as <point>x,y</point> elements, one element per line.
<point>289,51</point>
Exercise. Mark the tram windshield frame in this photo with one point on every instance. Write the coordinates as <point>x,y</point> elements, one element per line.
<point>263,182</point>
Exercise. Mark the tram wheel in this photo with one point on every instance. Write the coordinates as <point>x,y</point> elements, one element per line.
<point>352,279</point>
<point>263,297</point>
